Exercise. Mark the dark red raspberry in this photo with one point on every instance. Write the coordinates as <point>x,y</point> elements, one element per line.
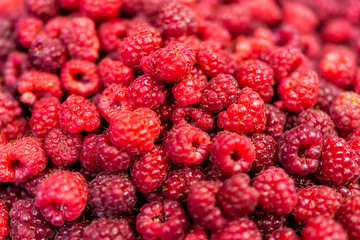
<point>283,234</point>
<point>232,152</point>
<point>33,226</point>
<point>45,116</point>
<point>283,60</point>
<point>275,121</point>
<point>247,115</point>
<point>166,220</point>
<point>349,216</point>
<point>100,9</point>
<point>300,150</point>
<point>71,231</point>
<point>9,108</point>
<point>111,33</point>
<point>266,151</point>
<point>277,191</point>
<point>196,233</point>
<point>242,228</point>
<point>349,190</point>
<point>345,111</point>
<point>339,164</point>
<point>257,76</point>
<point>189,90</point>
<point>16,129</point>
<point>222,91</point>
<point>105,228</point>
<point>165,111</point>
<point>77,114</point>
<point>22,159</point>
<point>156,195</point>
<point>265,11</point>
<point>47,54</point>
<point>13,192</point>
<point>179,180</point>
<point>43,9</point>
<point>88,155</point>
<point>142,41</point>
<point>15,65</point>
<point>323,227</point>
<point>26,30</point>
<point>62,197</point>
<point>135,131</point>
<point>268,222</point>
<point>300,16</point>
<point>35,84</point>
<point>54,26</point>
<point>317,119</point>
<point>197,117</point>
<point>149,171</point>
<point>7,41</point>
<point>80,40</point>
<point>146,91</point>
<point>187,144</point>
<point>4,218</point>
<point>115,72</point>
<point>170,63</point>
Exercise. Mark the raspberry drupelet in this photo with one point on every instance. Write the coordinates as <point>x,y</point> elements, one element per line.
<point>282,234</point>
<point>112,71</point>
<point>197,117</point>
<point>266,151</point>
<point>100,9</point>
<point>111,33</point>
<point>26,30</point>
<point>62,197</point>
<point>71,230</point>
<point>4,218</point>
<point>317,119</point>
<point>9,108</point>
<point>349,216</point>
<point>322,227</point>
<point>242,228</point>
<point>106,228</point>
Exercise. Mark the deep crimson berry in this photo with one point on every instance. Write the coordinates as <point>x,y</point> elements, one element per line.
<point>111,33</point>
<point>71,231</point>
<point>266,151</point>
<point>43,9</point>
<point>349,216</point>
<point>26,30</point>
<point>242,228</point>
<point>288,36</point>
<point>105,228</point>
<point>165,111</point>
<point>16,129</point>
<point>234,17</point>
<point>323,227</point>
<point>3,140</point>
<point>54,26</point>
<point>15,65</point>
<point>88,155</point>
<point>111,71</point>
<point>268,222</point>
<point>317,119</point>
<point>283,234</point>
<point>4,218</point>
<point>9,108</point>
<point>13,192</point>
<point>196,233</point>
<point>195,116</point>
<point>99,9</point>
<point>349,190</point>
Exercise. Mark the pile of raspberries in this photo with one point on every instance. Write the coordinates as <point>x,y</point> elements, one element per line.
<point>179,119</point>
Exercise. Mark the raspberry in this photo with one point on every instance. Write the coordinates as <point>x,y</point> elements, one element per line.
<point>323,228</point>
<point>196,233</point>
<point>277,191</point>
<point>9,108</point>
<point>47,54</point>
<point>45,116</point>
<point>43,9</point>
<point>142,41</point>
<point>268,222</point>
<point>62,197</point>
<point>77,114</point>
<point>6,40</point>
<point>11,193</point>
<point>339,164</point>
<point>187,144</point>
<point>71,230</point>
<point>283,234</point>
<point>88,154</point>
<point>311,45</point>
<point>170,63</point>
<point>265,11</point>
<point>165,111</point>
<point>15,65</point>
<point>4,225</point>
<point>232,153</point>
<point>257,76</point>
<point>22,159</point>
<point>222,91</point>
<point>100,9</point>
<point>115,72</point>
<point>345,111</point>
<point>146,91</point>
<point>195,116</point>
<point>317,119</point>
<point>189,90</point>
<point>242,228</point>
<point>149,171</point>
<point>28,223</point>
<point>80,40</point>
<point>69,4</point>
<point>3,140</point>
<point>288,36</point>
<point>54,26</point>
<point>35,84</point>
<point>266,151</point>
<point>283,60</point>
<point>300,16</point>
<point>349,216</point>
<point>111,33</point>
<point>166,220</point>
<point>26,30</point>
<point>214,32</point>
<point>349,190</point>
<point>337,30</point>
<point>104,228</point>
<point>234,17</point>
<point>247,115</point>
<point>16,129</point>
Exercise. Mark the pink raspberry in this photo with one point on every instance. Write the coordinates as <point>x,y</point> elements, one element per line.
<point>26,30</point>
<point>111,33</point>
<point>213,31</point>
<point>101,9</point>
<point>268,12</point>
<point>111,71</point>
<point>283,234</point>
<point>300,16</point>
<point>337,30</point>
<point>195,116</point>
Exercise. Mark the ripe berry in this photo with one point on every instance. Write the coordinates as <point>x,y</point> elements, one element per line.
<point>111,71</point>
<point>89,155</point>
<point>266,151</point>
<point>98,9</point>
<point>323,228</point>
<point>111,33</point>
<point>4,218</point>
<point>318,120</point>
<point>234,17</point>
<point>195,116</point>
<point>268,222</point>
<point>283,234</point>
<point>71,230</point>
<point>105,228</point>
<point>242,228</point>
<point>54,26</point>
<point>349,216</point>
<point>15,65</point>
<point>43,9</point>
<point>26,30</point>
<point>9,108</point>
<point>327,94</point>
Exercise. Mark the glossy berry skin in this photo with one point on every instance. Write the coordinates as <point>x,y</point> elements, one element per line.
<point>105,228</point>
<point>197,117</point>
<point>242,228</point>
<point>54,26</point>
<point>101,9</point>
<point>317,119</point>
<point>349,216</point>
<point>323,228</point>
<point>71,230</point>
<point>247,115</point>
<point>166,220</point>
<point>232,152</point>
<point>112,71</point>
<point>4,218</point>
<point>277,191</point>
<point>9,108</point>
<point>58,203</point>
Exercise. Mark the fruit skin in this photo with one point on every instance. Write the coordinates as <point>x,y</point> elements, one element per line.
<point>89,155</point>
<point>322,227</point>
<point>43,9</point>
<point>105,228</point>
<point>242,228</point>
<point>349,216</point>
<point>327,94</point>
<point>197,117</point>
<point>268,222</point>
<point>111,33</point>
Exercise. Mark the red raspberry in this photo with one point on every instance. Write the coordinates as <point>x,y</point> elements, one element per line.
<point>232,153</point>
<point>104,228</point>
<point>258,76</point>
<point>196,233</point>
<point>195,116</point>
<point>9,108</point>
<point>16,129</point>
<point>165,111</point>
<point>247,115</point>
<point>111,33</point>
<point>35,84</point>
<point>344,111</point>
<point>33,226</point>
<point>174,19</point>
<point>283,234</point>
<point>22,159</point>
<point>100,9</point>
<point>187,144</point>
<point>88,154</point>
<point>189,90</point>
<point>349,216</point>
<point>115,72</point>
<point>149,171</point>
<point>337,30</point>
<point>71,230</point>
<point>80,40</point>
<point>77,114</point>
<point>47,54</point>
<point>300,16</point>
<point>214,32</point>
<point>283,60</point>
<point>165,220</point>
<point>265,11</point>
<point>311,45</point>
<point>146,91</point>
<point>62,197</point>
<point>242,228</point>
<point>15,65</point>
<point>4,218</point>
<point>323,228</point>
<point>26,30</point>
<point>12,193</point>
<point>339,164</point>
<point>170,63</point>
<point>349,190</point>
<point>300,150</point>
<point>317,119</point>
<point>54,26</point>
<point>135,131</point>
<point>3,140</point>
<point>268,222</point>
<point>316,201</point>
<point>43,9</point>
<point>266,151</point>
<point>234,17</point>
<point>45,116</point>
<point>277,191</point>
<point>287,36</point>
<point>142,41</point>
<point>222,91</point>
<point>69,4</point>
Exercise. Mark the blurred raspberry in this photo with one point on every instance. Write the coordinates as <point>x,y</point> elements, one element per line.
<point>43,9</point>
<point>196,233</point>
<point>287,36</point>
<point>9,108</point>
<point>16,129</point>
<point>112,71</point>
<point>69,4</point>
<point>26,30</point>
<point>54,26</point>
<point>327,94</point>
<point>337,30</point>
<point>111,33</point>
<point>4,218</point>
<point>242,228</point>
<point>323,228</point>
<point>101,9</point>
<point>214,32</point>
<point>15,65</point>
<point>234,17</point>
<point>195,116</point>
<point>300,16</point>
<point>266,11</point>
<point>13,192</point>
<point>266,151</point>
